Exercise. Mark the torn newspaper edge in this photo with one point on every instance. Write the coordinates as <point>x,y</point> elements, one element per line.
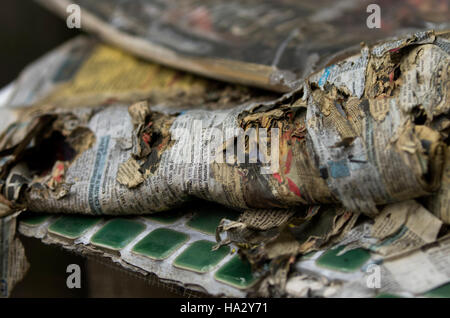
<point>321,144</point>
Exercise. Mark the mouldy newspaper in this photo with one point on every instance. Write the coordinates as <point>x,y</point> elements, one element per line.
<point>316,144</point>
<point>357,142</point>
<point>267,44</point>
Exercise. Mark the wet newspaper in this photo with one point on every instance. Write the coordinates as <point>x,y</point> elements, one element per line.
<point>325,142</point>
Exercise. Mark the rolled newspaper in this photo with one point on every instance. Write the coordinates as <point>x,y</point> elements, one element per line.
<point>366,131</point>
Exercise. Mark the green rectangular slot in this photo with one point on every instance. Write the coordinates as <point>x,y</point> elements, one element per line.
<point>117,233</point>
<point>199,256</point>
<point>72,226</point>
<point>207,221</point>
<point>34,220</point>
<point>160,243</point>
<point>348,262</point>
<point>439,292</point>
<point>236,273</point>
<point>168,217</point>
